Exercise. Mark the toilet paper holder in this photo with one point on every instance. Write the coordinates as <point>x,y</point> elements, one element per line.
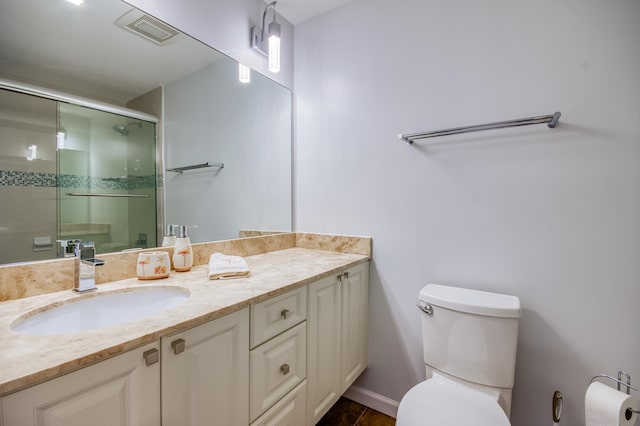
<point>618,380</point>
<point>628,412</point>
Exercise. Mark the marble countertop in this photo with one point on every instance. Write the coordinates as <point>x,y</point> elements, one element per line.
<point>27,360</point>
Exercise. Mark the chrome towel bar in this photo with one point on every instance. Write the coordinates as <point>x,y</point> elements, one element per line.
<point>98,194</point>
<point>551,119</point>
<point>195,166</point>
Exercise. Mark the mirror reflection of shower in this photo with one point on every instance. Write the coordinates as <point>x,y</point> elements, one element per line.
<point>109,193</point>
<point>123,129</point>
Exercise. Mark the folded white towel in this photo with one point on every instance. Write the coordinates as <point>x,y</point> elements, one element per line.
<point>222,266</point>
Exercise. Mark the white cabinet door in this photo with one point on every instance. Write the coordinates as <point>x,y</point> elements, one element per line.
<point>323,367</point>
<point>355,313</point>
<point>123,390</point>
<point>205,374</point>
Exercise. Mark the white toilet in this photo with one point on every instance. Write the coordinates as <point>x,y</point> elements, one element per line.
<point>469,339</point>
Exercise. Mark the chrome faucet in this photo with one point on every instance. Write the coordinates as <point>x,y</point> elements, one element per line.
<point>85,263</point>
<point>86,277</point>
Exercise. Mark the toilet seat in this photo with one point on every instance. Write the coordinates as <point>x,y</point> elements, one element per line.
<point>444,403</point>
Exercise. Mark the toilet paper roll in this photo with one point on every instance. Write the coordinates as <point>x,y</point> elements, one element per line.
<point>606,406</point>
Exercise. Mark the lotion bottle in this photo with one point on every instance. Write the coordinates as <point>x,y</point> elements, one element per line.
<point>182,252</point>
<point>170,237</point>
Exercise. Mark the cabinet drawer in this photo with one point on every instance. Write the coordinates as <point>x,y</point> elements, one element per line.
<point>290,410</point>
<point>276,367</point>
<point>275,315</point>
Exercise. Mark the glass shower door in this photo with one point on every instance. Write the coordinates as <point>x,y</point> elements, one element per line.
<point>106,179</point>
<point>27,177</point>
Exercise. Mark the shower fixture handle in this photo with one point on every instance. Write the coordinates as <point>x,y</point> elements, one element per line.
<point>67,248</point>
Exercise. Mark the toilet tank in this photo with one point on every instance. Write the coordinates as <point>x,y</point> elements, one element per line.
<point>471,334</point>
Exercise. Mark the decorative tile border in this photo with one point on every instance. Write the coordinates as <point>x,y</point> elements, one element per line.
<point>124,183</point>
<point>52,180</point>
<point>18,178</point>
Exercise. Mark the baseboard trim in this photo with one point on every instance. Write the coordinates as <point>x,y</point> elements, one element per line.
<point>373,400</point>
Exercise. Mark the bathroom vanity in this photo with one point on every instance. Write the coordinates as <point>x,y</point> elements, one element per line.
<point>278,347</point>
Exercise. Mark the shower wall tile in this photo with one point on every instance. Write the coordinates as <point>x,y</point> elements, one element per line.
<point>27,121</point>
<point>27,177</point>
<point>26,213</point>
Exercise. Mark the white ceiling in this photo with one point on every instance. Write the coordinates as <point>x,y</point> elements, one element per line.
<point>79,50</point>
<point>297,11</point>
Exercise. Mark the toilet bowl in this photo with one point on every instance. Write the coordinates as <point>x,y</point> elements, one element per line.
<point>469,344</point>
<point>447,403</point>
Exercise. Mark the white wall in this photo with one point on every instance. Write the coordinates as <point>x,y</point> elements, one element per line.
<point>552,216</point>
<point>226,25</point>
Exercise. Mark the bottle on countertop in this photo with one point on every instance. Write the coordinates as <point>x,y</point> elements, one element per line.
<point>182,252</point>
<point>170,237</point>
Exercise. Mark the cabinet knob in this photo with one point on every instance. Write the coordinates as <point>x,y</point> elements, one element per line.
<point>346,275</point>
<point>286,313</point>
<point>151,356</point>
<point>284,369</point>
<point>178,346</point>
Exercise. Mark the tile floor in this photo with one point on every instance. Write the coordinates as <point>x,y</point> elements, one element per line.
<point>349,413</point>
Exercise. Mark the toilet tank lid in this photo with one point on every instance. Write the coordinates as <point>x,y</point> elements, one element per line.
<point>471,301</point>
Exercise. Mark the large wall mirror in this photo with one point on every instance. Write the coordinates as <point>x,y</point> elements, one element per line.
<point>112,127</point>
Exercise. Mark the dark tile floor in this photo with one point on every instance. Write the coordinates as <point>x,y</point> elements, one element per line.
<point>349,413</point>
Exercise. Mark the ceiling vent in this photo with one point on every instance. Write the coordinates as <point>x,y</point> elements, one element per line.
<point>146,26</point>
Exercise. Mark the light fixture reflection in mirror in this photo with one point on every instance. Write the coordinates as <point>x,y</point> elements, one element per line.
<point>244,74</point>
<point>61,137</point>
<point>33,149</point>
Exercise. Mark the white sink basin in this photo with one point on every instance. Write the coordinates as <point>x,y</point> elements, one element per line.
<point>100,310</point>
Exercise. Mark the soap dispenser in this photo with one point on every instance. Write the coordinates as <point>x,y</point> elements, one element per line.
<point>182,253</point>
<point>170,237</point>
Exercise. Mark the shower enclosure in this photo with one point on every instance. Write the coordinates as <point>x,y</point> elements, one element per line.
<point>106,179</point>
<point>73,172</point>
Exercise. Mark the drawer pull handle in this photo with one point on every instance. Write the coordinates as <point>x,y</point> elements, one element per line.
<point>178,346</point>
<point>284,369</point>
<point>286,313</point>
<point>151,356</point>
<point>346,275</point>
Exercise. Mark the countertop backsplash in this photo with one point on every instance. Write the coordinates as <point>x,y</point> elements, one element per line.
<point>34,278</point>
